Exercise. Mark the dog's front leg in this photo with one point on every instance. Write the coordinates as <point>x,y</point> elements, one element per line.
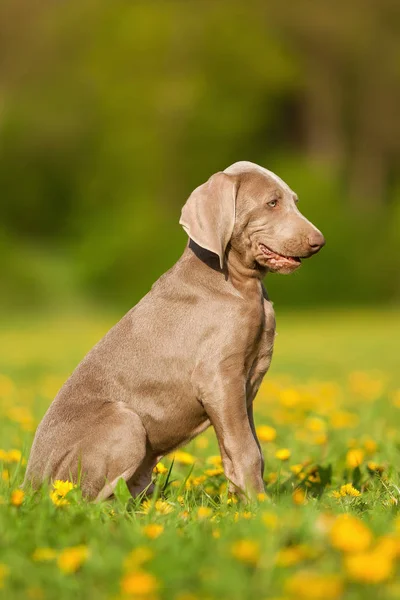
<point>227,410</point>
<point>253,429</point>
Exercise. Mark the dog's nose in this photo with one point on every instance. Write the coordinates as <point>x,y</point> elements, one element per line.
<point>316,241</point>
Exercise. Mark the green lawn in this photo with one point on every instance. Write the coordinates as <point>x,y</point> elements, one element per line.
<point>328,415</point>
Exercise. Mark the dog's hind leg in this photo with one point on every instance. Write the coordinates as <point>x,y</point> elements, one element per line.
<point>124,453</point>
<point>114,448</point>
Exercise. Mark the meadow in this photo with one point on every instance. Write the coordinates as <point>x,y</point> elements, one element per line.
<point>327,527</point>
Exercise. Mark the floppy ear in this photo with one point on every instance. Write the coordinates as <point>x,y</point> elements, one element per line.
<point>208,216</point>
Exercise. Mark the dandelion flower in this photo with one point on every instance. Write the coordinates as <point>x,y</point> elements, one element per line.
<point>183,458</point>
<point>373,467</point>
<point>369,567</point>
<point>44,554</point>
<point>283,454</point>
<point>246,551</point>
<point>71,559</point>
<point>17,497</point>
<point>299,496</point>
<point>160,469</point>
<point>308,585</point>
<point>203,512</point>
<point>153,530</point>
<point>4,570</point>
<point>370,446</point>
<point>13,456</point>
<point>215,460</point>
<point>214,472</point>
<point>139,585</point>
<point>262,497</point>
<point>354,458</point>
<point>60,491</point>
<point>265,433</point>
<point>291,555</point>
<point>138,557</point>
<point>349,534</point>
<point>346,490</point>
<point>160,506</point>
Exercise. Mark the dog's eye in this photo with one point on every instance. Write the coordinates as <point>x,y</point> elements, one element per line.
<point>273,203</point>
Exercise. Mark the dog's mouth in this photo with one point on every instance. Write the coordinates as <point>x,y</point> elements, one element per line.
<point>279,261</point>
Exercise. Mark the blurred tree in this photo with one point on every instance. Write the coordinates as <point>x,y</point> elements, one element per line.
<point>111,113</point>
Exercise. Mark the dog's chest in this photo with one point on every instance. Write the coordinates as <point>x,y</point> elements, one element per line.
<point>260,358</point>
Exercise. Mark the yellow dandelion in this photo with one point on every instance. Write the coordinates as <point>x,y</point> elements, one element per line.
<point>183,458</point>
<point>297,469</point>
<point>139,585</point>
<point>246,551</point>
<point>160,469</point>
<point>233,499</point>
<point>7,386</point>
<point>370,446</point>
<point>291,555</point>
<point>203,512</point>
<point>71,559</point>
<point>4,571</point>
<point>375,468</point>
<point>214,460</point>
<point>262,497</point>
<point>17,497</point>
<point>13,456</point>
<point>192,482</point>
<point>346,490</point>
<point>369,567</point>
<point>60,492</point>
<point>265,433</point>
<point>343,420</point>
<point>137,558</point>
<point>366,385</point>
<point>44,555</point>
<point>160,506</point>
<point>271,477</point>
<point>388,545</point>
<point>289,397</point>
<point>283,454</point>
<point>315,424</point>
<point>349,534</point>
<point>308,585</point>
<point>153,530</point>
<point>319,439</point>
<point>299,496</point>
<point>354,458</point>
<point>214,472</point>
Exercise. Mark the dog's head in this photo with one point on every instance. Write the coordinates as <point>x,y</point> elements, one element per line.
<point>254,212</point>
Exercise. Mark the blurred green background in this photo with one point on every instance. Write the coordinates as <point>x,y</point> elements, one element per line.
<point>111,113</point>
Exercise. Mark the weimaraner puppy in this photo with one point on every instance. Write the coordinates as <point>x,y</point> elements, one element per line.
<point>192,353</point>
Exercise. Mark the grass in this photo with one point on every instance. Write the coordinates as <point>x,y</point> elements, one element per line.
<point>331,401</point>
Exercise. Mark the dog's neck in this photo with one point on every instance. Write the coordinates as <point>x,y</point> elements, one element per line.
<point>241,275</point>
<point>238,269</point>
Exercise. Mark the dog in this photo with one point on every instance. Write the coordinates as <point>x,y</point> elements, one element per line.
<point>192,353</point>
